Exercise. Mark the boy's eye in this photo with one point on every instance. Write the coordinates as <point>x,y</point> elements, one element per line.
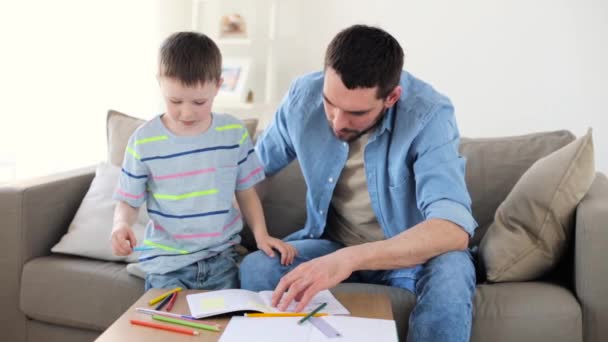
<point>200,103</point>
<point>175,101</point>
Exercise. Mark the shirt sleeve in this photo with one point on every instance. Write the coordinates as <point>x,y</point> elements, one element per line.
<point>275,147</point>
<point>133,177</point>
<point>439,171</point>
<point>249,169</point>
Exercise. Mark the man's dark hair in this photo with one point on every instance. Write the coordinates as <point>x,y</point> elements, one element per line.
<point>190,57</point>
<point>366,57</point>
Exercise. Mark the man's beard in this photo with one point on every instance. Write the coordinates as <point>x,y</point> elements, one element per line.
<point>355,134</point>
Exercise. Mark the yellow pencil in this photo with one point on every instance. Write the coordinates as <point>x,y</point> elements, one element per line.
<point>285,314</point>
<point>163,296</point>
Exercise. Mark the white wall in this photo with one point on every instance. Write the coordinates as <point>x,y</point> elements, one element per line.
<point>64,63</point>
<point>510,67</point>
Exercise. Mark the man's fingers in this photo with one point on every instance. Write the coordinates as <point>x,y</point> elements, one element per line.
<point>310,292</point>
<point>280,289</point>
<point>294,290</point>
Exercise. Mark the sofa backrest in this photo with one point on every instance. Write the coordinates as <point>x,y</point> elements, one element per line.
<point>493,167</point>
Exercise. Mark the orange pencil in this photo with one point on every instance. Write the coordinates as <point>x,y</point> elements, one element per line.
<point>165,327</point>
<point>171,301</point>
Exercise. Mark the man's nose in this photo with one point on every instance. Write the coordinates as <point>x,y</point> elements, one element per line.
<point>339,120</point>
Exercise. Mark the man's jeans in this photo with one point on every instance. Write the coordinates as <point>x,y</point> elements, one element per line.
<point>214,273</point>
<point>444,288</point>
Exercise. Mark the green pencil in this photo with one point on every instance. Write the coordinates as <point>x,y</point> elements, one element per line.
<point>186,323</point>
<point>312,313</point>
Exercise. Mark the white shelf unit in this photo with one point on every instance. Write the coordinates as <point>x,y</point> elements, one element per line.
<point>258,46</point>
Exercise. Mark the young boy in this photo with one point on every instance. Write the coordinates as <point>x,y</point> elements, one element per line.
<point>188,164</point>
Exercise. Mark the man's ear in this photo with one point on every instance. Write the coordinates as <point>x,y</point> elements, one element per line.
<point>393,97</point>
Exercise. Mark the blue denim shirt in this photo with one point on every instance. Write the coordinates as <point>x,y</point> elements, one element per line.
<point>413,169</point>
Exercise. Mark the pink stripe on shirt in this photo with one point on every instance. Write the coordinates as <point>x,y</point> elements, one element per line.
<point>129,195</point>
<point>251,174</point>
<point>194,236</point>
<point>185,174</point>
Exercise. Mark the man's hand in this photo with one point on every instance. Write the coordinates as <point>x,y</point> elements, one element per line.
<point>267,243</point>
<point>123,239</point>
<point>306,280</point>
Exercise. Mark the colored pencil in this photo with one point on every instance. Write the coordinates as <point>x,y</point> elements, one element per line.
<point>312,313</point>
<point>186,323</point>
<point>285,314</point>
<point>163,296</point>
<point>164,327</point>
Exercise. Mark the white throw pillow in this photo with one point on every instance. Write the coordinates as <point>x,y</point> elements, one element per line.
<point>89,233</point>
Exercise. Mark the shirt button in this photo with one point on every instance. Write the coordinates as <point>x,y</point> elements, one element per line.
<point>331,180</point>
<point>321,212</point>
<point>311,236</point>
<point>344,144</point>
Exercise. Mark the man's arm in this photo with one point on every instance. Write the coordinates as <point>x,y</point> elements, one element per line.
<point>412,247</point>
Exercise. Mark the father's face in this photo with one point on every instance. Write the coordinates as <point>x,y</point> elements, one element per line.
<point>351,112</point>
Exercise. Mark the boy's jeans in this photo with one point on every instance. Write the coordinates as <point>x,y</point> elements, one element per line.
<point>214,273</point>
<point>444,288</point>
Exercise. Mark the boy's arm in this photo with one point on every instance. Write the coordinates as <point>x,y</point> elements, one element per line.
<point>123,238</point>
<point>251,208</point>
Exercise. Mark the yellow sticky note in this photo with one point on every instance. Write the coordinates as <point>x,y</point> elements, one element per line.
<point>216,303</point>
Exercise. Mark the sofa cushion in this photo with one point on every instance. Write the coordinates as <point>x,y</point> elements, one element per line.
<point>534,224</point>
<point>77,292</point>
<point>120,127</point>
<point>495,164</point>
<point>89,232</point>
<point>531,311</point>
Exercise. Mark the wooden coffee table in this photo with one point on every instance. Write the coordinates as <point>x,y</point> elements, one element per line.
<point>359,304</point>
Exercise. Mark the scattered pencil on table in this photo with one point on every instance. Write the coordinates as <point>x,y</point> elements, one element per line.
<point>185,323</point>
<point>171,301</point>
<point>163,296</point>
<point>168,314</point>
<point>312,313</point>
<point>164,327</point>
<point>285,314</point>
<point>164,302</point>
<point>142,248</point>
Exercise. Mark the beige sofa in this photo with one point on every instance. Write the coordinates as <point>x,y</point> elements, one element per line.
<point>49,297</point>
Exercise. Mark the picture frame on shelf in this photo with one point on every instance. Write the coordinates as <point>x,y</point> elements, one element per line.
<point>235,75</point>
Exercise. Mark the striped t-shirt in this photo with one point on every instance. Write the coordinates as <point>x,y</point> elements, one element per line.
<point>188,184</point>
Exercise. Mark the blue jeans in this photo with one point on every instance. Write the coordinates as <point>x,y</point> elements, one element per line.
<point>444,289</point>
<point>217,272</point>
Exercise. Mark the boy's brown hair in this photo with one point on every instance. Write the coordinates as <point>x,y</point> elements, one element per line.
<point>190,57</point>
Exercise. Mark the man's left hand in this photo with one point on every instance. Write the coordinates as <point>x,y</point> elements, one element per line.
<point>306,280</point>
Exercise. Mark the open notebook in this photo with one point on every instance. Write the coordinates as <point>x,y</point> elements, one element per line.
<point>224,301</point>
<point>352,329</point>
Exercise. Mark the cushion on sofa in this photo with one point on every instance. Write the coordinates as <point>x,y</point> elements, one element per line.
<point>89,232</point>
<point>534,224</point>
<point>77,292</point>
<point>495,164</point>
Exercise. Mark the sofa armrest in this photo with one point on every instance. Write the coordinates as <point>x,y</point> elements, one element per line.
<point>590,266</point>
<point>34,215</point>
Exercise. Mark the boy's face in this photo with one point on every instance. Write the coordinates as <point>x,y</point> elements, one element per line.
<point>352,112</point>
<point>188,107</point>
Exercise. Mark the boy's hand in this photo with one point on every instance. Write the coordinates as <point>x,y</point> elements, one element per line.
<point>267,243</point>
<point>123,240</point>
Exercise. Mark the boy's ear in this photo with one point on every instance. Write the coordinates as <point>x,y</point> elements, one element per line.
<point>220,82</point>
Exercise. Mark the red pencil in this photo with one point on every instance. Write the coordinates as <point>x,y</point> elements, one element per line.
<point>165,327</point>
<point>171,302</point>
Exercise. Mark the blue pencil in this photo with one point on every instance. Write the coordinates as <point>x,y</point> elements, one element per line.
<point>142,248</point>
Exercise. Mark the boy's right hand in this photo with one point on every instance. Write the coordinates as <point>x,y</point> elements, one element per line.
<point>123,240</point>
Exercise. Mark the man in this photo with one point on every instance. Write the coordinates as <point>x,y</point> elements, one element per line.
<point>387,202</point>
